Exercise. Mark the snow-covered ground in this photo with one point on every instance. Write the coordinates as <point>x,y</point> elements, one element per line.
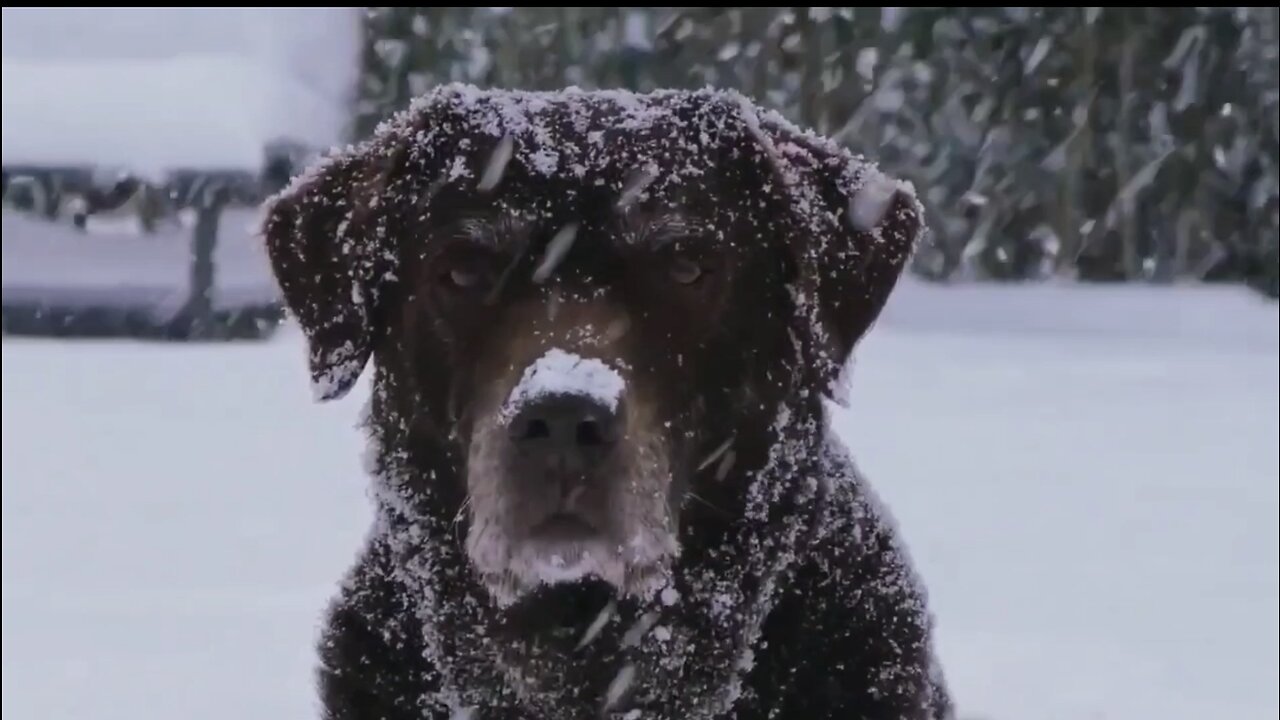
<point>1086,478</point>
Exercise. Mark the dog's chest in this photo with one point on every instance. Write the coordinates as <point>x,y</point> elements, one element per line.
<point>629,668</point>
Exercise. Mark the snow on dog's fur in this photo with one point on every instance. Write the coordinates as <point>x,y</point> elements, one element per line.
<point>602,327</point>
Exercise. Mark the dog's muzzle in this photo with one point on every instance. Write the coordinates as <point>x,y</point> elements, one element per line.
<point>562,442</point>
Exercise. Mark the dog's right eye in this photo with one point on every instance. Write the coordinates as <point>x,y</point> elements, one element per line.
<point>463,272</point>
<point>463,278</point>
<point>685,271</point>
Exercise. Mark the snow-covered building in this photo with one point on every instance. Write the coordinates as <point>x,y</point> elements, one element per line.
<point>137,144</point>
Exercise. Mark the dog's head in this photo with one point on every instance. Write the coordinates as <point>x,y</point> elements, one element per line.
<point>588,299</point>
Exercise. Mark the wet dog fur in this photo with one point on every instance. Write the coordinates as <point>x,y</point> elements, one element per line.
<point>726,558</point>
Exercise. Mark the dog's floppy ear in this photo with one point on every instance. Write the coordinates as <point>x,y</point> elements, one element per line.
<point>849,231</point>
<point>325,238</point>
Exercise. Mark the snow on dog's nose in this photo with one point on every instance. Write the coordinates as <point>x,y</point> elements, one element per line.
<point>564,373</point>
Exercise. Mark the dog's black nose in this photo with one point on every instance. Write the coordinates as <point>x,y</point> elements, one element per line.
<point>573,429</point>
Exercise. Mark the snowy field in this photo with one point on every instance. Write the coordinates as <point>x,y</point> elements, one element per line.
<point>1087,479</point>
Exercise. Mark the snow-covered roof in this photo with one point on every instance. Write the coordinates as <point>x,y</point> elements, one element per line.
<point>149,115</point>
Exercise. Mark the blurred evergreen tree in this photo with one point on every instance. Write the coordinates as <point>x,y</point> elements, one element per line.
<point>1103,144</point>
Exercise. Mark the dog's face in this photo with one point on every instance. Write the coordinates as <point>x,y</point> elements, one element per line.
<point>583,309</point>
<point>584,356</point>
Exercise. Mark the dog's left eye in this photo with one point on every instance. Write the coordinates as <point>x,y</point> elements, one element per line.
<point>463,272</point>
<point>685,271</point>
<point>463,278</point>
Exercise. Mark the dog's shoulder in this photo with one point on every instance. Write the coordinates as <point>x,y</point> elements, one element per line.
<point>373,661</point>
<point>851,634</point>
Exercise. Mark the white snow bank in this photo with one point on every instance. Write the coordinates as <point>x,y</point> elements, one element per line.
<point>1202,315</point>
<point>1086,477</point>
<point>208,112</point>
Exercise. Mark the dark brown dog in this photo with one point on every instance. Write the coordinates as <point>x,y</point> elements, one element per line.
<point>602,328</point>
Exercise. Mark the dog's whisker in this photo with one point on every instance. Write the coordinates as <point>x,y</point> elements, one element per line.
<point>708,503</point>
<point>461,510</point>
<point>715,454</point>
<point>456,524</point>
<point>466,504</point>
